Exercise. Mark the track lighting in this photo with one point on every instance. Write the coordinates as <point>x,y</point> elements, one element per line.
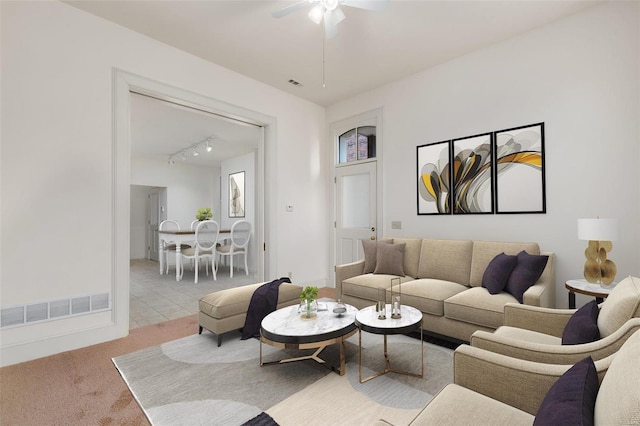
<point>194,149</point>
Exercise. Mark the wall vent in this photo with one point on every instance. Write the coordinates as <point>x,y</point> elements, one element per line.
<point>13,316</point>
<point>295,83</point>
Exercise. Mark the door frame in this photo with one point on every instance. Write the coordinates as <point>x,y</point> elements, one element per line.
<point>123,84</point>
<point>368,118</point>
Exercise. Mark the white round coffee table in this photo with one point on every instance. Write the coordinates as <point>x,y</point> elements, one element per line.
<point>367,320</point>
<point>285,328</point>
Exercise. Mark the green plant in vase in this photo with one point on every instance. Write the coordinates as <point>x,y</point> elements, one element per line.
<point>204,213</point>
<point>308,304</point>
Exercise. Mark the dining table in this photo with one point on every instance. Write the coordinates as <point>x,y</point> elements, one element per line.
<point>181,237</point>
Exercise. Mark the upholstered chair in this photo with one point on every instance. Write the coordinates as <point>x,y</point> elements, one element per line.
<point>536,334</point>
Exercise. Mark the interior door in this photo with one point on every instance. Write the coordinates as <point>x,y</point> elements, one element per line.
<point>356,205</point>
<point>153,220</point>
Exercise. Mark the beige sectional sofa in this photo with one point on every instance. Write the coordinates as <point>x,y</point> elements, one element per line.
<point>443,278</point>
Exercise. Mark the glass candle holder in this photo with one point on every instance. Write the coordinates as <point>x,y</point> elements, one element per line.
<point>396,292</point>
<point>381,304</point>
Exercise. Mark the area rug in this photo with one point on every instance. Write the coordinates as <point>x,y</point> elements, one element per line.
<point>192,381</point>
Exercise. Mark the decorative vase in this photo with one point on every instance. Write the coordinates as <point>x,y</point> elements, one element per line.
<point>308,309</point>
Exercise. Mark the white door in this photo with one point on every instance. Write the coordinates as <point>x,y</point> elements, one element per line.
<point>153,220</point>
<point>356,207</point>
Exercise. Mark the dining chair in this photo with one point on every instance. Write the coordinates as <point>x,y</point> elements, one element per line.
<point>206,239</point>
<point>168,225</point>
<point>240,236</point>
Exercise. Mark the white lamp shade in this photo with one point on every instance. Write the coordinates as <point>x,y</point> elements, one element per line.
<point>598,229</point>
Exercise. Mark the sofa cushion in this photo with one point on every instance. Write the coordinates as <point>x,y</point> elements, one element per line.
<point>448,260</point>
<point>370,254</point>
<point>412,249</point>
<point>485,251</point>
<point>457,405</point>
<point>571,400</point>
<point>390,259</point>
<point>497,273</point>
<point>618,401</point>
<point>527,271</point>
<point>622,304</point>
<point>523,335</point>
<point>366,286</point>
<point>428,295</point>
<point>476,306</point>
<point>582,327</point>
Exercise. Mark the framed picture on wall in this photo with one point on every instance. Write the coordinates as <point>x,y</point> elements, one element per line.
<point>434,178</point>
<point>236,194</point>
<point>472,176</point>
<point>520,185</point>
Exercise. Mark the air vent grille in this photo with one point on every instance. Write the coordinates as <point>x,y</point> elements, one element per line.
<point>294,82</point>
<point>13,316</point>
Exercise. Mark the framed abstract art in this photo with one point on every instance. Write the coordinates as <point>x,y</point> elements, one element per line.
<point>520,175</point>
<point>434,178</point>
<point>472,176</point>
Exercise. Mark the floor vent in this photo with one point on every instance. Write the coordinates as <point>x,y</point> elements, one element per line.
<point>46,311</point>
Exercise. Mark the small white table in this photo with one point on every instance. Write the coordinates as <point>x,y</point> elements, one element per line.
<point>285,328</point>
<point>179,237</point>
<point>367,320</point>
<point>588,289</point>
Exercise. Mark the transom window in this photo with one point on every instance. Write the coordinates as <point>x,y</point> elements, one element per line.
<point>357,144</point>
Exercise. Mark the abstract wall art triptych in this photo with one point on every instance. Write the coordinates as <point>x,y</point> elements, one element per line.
<point>495,172</point>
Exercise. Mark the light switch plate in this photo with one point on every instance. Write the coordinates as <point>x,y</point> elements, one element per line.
<point>396,224</point>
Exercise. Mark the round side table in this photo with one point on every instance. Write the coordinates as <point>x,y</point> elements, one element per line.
<point>588,289</point>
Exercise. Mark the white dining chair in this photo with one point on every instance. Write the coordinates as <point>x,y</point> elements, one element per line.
<point>207,232</point>
<point>168,225</point>
<point>240,236</point>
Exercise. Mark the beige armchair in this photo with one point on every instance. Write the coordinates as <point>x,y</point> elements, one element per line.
<point>491,388</point>
<point>535,334</point>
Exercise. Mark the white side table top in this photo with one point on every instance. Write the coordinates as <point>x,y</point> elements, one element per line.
<point>367,319</point>
<point>584,287</point>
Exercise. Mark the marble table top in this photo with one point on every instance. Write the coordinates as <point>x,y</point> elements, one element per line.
<point>367,320</point>
<point>286,325</point>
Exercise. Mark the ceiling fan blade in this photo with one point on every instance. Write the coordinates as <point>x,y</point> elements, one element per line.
<point>292,8</point>
<point>331,21</point>
<point>366,4</point>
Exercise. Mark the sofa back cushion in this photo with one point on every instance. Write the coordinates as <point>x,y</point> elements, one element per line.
<point>412,248</point>
<point>618,400</point>
<point>485,251</point>
<point>448,260</point>
<point>622,304</point>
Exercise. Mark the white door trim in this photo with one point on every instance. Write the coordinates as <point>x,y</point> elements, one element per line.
<point>368,118</point>
<point>266,224</point>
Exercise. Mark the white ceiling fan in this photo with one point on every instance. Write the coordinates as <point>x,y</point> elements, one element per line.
<point>330,11</point>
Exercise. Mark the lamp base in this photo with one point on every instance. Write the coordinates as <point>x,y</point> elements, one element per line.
<point>598,269</point>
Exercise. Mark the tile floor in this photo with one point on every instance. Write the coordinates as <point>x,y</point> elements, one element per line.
<point>156,298</point>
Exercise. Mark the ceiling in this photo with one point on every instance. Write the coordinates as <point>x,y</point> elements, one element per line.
<point>159,129</point>
<point>372,48</point>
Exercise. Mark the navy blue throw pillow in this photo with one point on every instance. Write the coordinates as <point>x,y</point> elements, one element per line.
<point>497,273</point>
<point>525,274</point>
<point>572,399</point>
<point>582,327</point>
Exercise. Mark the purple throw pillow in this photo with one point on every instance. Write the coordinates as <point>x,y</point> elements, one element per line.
<point>527,271</point>
<point>572,399</point>
<point>497,273</point>
<point>582,327</point>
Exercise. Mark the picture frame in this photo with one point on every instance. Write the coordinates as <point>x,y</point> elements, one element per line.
<point>433,178</point>
<point>520,170</point>
<point>472,174</point>
<point>236,195</point>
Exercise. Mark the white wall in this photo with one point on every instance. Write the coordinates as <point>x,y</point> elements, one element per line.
<point>57,169</point>
<point>188,187</point>
<point>581,77</point>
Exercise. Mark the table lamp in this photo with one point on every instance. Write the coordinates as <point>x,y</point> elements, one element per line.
<point>599,233</point>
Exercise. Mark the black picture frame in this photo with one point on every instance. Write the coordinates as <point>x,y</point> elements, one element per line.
<point>472,174</point>
<point>520,170</point>
<point>433,168</point>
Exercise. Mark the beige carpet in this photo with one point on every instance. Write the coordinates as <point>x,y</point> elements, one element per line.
<point>192,381</point>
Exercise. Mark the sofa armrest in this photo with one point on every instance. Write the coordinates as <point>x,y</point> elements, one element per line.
<point>555,354</point>
<point>515,382</point>
<point>346,271</point>
<point>543,292</point>
<point>543,320</point>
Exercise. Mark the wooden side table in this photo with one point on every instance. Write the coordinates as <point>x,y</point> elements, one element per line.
<point>586,288</point>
